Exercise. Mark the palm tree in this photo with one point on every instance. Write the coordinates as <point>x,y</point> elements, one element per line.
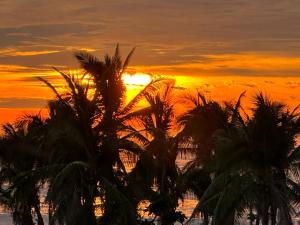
<point>20,156</point>
<point>200,125</point>
<point>88,131</point>
<point>161,150</point>
<point>254,163</point>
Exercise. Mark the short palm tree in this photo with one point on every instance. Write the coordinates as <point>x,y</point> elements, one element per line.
<point>254,163</point>
<point>161,150</point>
<point>200,125</point>
<point>20,156</point>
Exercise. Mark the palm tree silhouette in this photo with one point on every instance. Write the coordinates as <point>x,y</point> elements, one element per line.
<point>20,156</point>
<point>161,150</point>
<point>200,125</point>
<point>88,131</point>
<point>254,163</point>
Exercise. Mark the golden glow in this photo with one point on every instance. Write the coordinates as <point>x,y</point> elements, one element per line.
<point>140,79</point>
<point>87,49</point>
<point>14,52</point>
<point>220,77</point>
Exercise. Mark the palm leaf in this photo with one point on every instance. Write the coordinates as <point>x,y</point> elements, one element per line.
<point>51,87</point>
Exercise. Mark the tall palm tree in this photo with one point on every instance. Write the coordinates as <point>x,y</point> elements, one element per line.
<point>20,156</point>
<point>88,131</point>
<point>254,165</point>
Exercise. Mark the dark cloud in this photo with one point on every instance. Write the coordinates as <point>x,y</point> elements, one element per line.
<point>164,32</point>
<point>22,102</point>
<point>269,82</point>
<point>292,84</point>
<point>49,30</point>
<point>22,35</point>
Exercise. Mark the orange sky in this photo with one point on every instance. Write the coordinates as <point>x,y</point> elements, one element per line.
<point>23,96</point>
<point>221,47</point>
<point>220,77</point>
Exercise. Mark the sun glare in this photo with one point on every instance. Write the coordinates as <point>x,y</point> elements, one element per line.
<point>139,79</point>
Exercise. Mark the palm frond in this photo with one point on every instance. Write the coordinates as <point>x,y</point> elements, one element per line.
<point>126,62</point>
<point>51,87</point>
<point>148,89</point>
<point>89,63</point>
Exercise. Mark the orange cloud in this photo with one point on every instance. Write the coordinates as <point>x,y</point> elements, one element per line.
<point>13,52</point>
<point>232,64</point>
<point>8,68</point>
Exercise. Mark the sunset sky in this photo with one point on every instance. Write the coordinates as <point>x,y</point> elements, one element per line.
<point>220,47</point>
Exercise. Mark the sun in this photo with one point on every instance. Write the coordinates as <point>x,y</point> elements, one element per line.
<point>139,79</point>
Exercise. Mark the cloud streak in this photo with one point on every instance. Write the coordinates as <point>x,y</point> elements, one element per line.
<point>11,52</point>
<point>22,102</point>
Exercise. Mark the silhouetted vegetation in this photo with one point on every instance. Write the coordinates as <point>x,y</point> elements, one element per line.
<point>244,164</point>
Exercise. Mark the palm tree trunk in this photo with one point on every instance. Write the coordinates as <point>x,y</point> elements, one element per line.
<point>50,214</point>
<point>23,217</point>
<point>284,219</point>
<point>251,216</point>
<point>265,219</point>
<point>264,212</point>
<point>230,219</point>
<point>40,220</point>
<point>205,218</point>
<point>273,215</point>
<point>90,213</point>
